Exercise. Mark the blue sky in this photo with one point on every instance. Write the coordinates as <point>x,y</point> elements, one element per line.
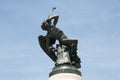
<point>95,23</point>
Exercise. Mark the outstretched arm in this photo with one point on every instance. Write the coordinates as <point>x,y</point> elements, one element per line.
<point>54,18</point>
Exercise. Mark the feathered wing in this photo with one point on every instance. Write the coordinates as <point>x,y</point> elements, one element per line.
<point>42,43</point>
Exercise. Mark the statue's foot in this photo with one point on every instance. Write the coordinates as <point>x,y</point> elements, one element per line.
<point>77,65</point>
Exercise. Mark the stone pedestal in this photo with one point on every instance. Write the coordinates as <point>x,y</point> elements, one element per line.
<point>65,72</point>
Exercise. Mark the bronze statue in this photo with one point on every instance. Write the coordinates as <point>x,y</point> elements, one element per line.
<point>66,51</point>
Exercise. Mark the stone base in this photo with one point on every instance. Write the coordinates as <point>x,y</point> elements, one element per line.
<point>65,76</point>
<point>65,72</point>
